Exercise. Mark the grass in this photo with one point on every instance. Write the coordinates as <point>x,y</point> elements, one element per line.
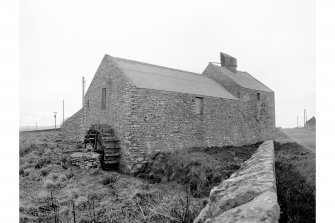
<point>303,136</point>
<point>173,188</point>
<point>201,168</point>
<point>295,175</point>
<point>92,194</point>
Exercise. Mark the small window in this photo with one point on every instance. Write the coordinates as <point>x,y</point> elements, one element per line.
<point>258,96</point>
<point>88,103</point>
<point>103,98</point>
<point>199,105</point>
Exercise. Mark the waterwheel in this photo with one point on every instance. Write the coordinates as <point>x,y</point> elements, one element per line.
<point>104,141</point>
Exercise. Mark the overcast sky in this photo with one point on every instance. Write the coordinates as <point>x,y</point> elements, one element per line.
<point>61,41</point>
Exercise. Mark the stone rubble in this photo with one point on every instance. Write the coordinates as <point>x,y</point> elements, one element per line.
<point>85,160</point>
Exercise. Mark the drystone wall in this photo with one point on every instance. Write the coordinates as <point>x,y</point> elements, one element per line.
<point>249,195</point>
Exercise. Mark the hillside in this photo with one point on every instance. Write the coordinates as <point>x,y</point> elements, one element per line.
<point>32,128</point>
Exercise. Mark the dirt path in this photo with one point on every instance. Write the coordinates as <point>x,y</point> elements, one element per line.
<point>304,137</point>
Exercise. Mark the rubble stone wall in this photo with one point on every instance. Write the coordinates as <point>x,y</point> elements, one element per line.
<point>258,116</point>
<point>85,159</point>
<point>166,121</point>
<point>73,128</point>
<point>249,195</point>
<point>117,112</point>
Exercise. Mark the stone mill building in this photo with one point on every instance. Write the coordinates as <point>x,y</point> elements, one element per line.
<point>154,108</point>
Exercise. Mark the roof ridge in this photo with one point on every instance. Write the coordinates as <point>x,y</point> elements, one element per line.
<point>169,68</point>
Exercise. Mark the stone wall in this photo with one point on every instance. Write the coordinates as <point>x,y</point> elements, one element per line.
<point>224,124</point>
<point>72,128</point>
<point>85,159</point>
<point>166,121</point>
<point>117,111</point>
<point>257,116</point>
<point>249,195</point>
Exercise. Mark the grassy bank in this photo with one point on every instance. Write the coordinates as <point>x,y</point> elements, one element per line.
<point>200,168</point>
<point>173,187</point>
<point>295,174</point>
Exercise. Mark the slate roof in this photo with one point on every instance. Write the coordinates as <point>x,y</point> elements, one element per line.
<point>149,76</point>
<point>244,79</point>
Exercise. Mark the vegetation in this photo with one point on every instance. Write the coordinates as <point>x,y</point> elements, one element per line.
<point>200,168</point>
<point>172,188</point>
<point>295,175</point>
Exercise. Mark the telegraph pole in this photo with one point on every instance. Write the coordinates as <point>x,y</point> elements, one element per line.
<point>305,119</point>
<point>36,125</point>
<point>83,103</point>
<point>83,83</point>
<point>297,122</point>
<point>55,114</point>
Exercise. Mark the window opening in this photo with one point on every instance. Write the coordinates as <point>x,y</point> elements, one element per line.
<point>199,107</point>
<point>103,98</point>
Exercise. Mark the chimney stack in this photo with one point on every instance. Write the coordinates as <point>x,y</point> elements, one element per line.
<point>228,62</point>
